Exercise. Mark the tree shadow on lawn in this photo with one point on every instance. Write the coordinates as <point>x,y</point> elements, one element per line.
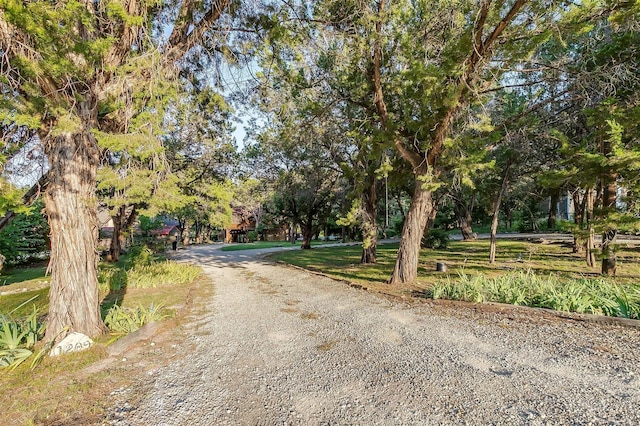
<point>117,283</point>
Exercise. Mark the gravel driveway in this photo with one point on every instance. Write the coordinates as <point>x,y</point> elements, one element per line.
<point>282,346</point>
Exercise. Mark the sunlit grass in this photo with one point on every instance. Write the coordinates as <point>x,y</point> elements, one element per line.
<point>269,244</point>
<point>23,275</point>
<point>471,257</point>
<point>471,260</point>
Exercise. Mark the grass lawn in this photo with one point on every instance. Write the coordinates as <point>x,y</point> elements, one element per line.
<point>23,275</point>
<point>268,244</point>
<point>470,257</point>
<point>471,274</point>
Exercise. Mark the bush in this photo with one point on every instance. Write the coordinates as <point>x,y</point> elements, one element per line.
<point>398,224</point>
<point>26,237</point>
<point>593,296</point>
<point>252,236</point>
<point>390,233</point>
<point>17,339</point>
<point>127,320</point>
<point>435,239</point>
<point>139,256</point>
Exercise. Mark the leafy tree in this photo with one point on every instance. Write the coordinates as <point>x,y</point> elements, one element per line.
<point>73,71</point>
<point>419,90</point>
<point>595,122</point>
<point>25,236</point>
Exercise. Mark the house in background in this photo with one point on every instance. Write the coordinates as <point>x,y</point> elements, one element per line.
<point>241,225</point>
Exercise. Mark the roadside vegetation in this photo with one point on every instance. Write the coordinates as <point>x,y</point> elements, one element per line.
<point>269,244</point>
<point>139,289</point>
<point>525,273</point>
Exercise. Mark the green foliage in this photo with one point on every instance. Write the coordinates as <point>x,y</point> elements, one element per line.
<point>435,238</point>
<point>594,296</point>
<point>252,236</point>
<point>10,196</point>
<point>18,337</point>
<point>127,320</point>
<point>26,236</point>
<point>139,256</point>
<point>390,232</point>
<point>353,215</point>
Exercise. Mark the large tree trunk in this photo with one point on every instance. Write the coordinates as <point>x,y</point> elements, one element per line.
<point>590,242</point>
<point>496,214</point>
<point>115,248</point>
<point>609,197</point>
<point>462,210</point>
<point>186,233</point>
<point>553,209</point>
<point>369,225</point>
<point>609,257</point>
<point>307,234</point>
<point>121,222</point>
<point>71,206</point>
<point>406,267</point>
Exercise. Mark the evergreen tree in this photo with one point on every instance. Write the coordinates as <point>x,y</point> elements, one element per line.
<point>76,71</point>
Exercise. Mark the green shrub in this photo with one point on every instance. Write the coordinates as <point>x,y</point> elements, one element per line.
<point>26,237</point>
<point>139,256</point>
<point>390,233</point>
<point>593,296</point>
<point>435,239</point>
<point>398,224</point>
<point>252,236</point>
<point>18,337</point>
<point>127,320</point>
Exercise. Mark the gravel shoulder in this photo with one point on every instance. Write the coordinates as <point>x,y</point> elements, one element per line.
<point>278,345</point>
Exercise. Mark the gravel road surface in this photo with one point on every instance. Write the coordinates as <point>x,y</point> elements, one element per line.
<point>281,346</point>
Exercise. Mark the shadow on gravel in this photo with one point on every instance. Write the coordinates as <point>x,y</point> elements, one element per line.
<point>211,255</point>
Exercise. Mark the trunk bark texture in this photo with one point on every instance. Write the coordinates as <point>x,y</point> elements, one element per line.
<point>122,221</point>
<point>609,195</point>
<point>406,267</point>
<point>590,242</point>
<point>496,215</point>
<point>186,234</point>
<point>553,210</point>
<point>71,206</point>
<point>579,215</point>
<point>369,225</point>
<point>462,211</point>
<point>307,234</point>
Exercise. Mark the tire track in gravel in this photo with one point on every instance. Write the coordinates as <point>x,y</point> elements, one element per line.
<point>282,346</point>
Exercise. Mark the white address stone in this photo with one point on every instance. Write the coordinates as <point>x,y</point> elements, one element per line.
<point>74,342</point>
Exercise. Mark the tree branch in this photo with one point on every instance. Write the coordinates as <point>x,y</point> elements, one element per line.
<point>181,39</point>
